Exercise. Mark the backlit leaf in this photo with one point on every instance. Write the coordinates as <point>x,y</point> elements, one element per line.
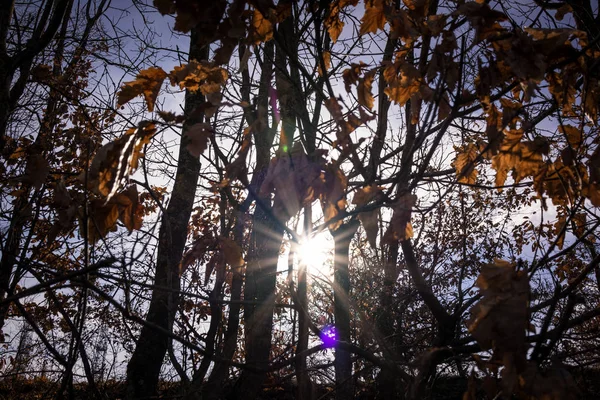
<point>232,252</point>
<point>400,225</point>
<point>262,28</point>
<point>198,136</point>
<point>365,96</point>
<point>147,83</point>
<point>373,19</point>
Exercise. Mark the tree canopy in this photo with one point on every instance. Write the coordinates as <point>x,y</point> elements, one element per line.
<point>318,199</point>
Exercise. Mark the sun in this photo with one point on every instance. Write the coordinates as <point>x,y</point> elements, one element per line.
<point>317,253</point>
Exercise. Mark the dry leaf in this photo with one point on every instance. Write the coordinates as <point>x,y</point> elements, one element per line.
<point>373,19</point>
<point>232,252</point>
<point>400,226</point>
<point>198,136</point>
<point>147,83</point>
<point>365,95</point>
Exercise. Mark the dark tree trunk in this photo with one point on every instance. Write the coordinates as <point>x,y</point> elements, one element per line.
<point>144,367</point>
<point>263,254</point>
<point>341,288</point>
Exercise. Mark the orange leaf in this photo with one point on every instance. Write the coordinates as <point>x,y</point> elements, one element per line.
<point>148,83</point>
<point>116,160</point>
<point>464,164</point>
<point>262,28</point>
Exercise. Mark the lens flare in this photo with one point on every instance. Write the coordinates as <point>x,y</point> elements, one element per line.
<point>329,336</point>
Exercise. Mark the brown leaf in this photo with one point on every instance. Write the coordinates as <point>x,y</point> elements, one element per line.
<point>326,60</point>
<point>352,75</point>
<point>333,198</point>
<point>102,219</point>
<point>169,117</point>
<point>464,164</point>
<point>203,76</point>
<point>232,252</point>
<point>116,160</point>
<point>365,96</point>
<point>62,199</point>
<point>444,108</point>
<point>573,135</point>
<point>404,80</point>
<point>131,212</point>
<point>147,83</point>
<point>36,171</point>
<point>400,226</point>
<point>374,18</point>
<point>562,11</point>
<point>364,195</point>
<point>369,219</point>
<point>198,136</point>
<point>370,223</point>
<point>332,21</point>
<point>500,319</point>
<point>262,28</point>
<point>295,179</point>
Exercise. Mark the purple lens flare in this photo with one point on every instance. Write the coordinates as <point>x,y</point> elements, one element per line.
<point>329,336</point>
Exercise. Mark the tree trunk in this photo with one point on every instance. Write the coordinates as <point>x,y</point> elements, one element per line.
<point>263,253</point>
<point>144,367</point>
<point>341,288</point>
